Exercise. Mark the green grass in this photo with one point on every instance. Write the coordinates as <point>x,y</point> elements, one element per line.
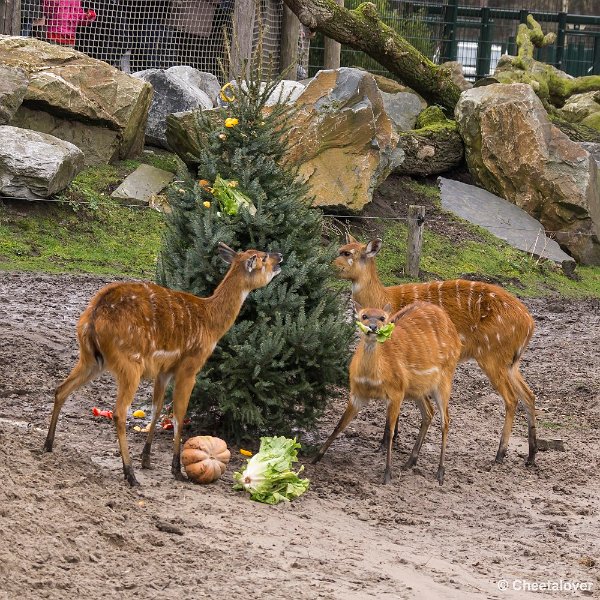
<point>492,259</point>
<point>87,231</point>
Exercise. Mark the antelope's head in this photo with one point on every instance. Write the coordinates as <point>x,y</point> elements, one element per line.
<point>256,268</point>
<point>353,256</point>
<point>376,324</point>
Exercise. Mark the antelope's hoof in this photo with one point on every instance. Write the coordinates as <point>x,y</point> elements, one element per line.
<point>179,476</point>
<point>440,475</point>
<point>409,464</point>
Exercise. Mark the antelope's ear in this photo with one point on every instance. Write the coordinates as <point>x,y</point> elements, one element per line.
<point>373,247</point>
<point>350,239</point>
<point>357,307</point>
<point>251,263</point>
<point>388,308</point>
<point>226,253</point>
<point>396,315</point>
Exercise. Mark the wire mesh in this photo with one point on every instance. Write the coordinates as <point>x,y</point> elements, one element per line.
<point>477,36</point>
<point>134,35</point>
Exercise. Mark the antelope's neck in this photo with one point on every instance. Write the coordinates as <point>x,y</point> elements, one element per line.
<point>368,290</point>
<point>223,307</point>
<point>370,356</point>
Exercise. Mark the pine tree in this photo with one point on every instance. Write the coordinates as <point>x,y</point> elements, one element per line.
<point>276,367</point>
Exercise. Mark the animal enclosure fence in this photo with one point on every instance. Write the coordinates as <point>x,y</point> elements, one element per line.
<point>477,36</point>
<point>134,35</point>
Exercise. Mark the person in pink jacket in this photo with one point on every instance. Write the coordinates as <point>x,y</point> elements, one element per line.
<point>62,19</point>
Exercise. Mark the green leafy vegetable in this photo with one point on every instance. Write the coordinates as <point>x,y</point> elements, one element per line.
<point>383,334</point>
<point>268,475</point>
<point>230,198</point>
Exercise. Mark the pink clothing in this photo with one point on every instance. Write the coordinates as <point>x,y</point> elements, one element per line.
<point>62,18</point>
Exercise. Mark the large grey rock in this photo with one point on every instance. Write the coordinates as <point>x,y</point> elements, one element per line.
<point>285,91</point>
<point>501,218</point>
<point>13,85</point>
<point>513,150</point>
<point>72,86</point>
<point>35,165</point>
<point>100,145</point>
<point>139,187</point>
<point>403,108</point>
<point>174,91</point>
<point>201,80</point>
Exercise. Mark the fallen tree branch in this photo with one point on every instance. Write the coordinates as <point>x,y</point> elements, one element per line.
<point>363,30</point>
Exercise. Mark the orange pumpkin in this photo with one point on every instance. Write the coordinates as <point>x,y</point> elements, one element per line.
<point>205,458</point>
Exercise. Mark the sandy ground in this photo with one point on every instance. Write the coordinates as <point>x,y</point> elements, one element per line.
<point>71,528</point>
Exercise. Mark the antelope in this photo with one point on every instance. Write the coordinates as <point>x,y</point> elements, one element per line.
<point>493,326</point>
<point>143,330</point>
<point>417,361</point>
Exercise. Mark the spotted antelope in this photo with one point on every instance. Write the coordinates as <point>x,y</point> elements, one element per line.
<point>493,326</point>
<point>142,330</point>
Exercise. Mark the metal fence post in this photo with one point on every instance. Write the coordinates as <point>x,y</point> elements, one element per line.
<point>450,16</point>
<point>484,48</point>
<point>560,40</point>
<point>596,56</point>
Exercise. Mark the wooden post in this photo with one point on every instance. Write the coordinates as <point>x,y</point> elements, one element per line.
<point>10,17</point>
<point>333,50</point>
<point>244,15</point>
<point>416,218</point>
<point>290,30</point>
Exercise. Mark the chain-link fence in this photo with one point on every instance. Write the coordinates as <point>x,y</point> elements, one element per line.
<point>134,35</point>
<point>477,36</point>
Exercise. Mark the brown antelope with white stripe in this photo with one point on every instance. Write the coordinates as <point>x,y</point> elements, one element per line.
<point>417,361</point>
<point>142,330</point>
<point>494,326</point>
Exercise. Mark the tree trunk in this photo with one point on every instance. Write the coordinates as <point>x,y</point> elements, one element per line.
<point>430,151</point>
<point>362,29</point>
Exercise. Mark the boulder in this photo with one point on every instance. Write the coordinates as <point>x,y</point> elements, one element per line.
<point>501,218</point>
<point>72,86</point>
<point>100,145</point>
<point>513,150</point>
<point>142,185</point>
<point>580,106</point>
<point>35,165</point>
<point>175,90</point>
<point>342,138</point>
<point>403,108</point>
<point>201,80</point>
<point>13,85</point>
<point>285,91</point>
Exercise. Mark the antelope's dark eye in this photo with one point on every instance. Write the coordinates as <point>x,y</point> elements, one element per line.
<point>382,318</point>
<point>346,253</point>
<point>364,317</point>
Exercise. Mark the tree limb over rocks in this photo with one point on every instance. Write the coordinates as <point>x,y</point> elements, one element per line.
<point>362,29</point>
<point>552,86</point>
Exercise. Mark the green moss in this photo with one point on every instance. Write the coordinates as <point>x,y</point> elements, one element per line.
<point>86,231</point>
<point>592,121</point>
<point>430,115</point>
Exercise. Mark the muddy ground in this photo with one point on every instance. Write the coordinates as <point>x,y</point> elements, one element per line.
<point>70,527</point>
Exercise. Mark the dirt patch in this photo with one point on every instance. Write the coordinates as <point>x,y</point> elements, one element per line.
<point>71,528</point>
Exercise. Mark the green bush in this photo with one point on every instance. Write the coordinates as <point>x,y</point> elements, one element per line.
<point>273,371</point>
